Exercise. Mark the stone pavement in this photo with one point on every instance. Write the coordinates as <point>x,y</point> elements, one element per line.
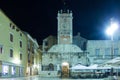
<point>46,78</point>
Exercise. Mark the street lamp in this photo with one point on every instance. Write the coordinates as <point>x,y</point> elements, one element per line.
<point>110,31</point>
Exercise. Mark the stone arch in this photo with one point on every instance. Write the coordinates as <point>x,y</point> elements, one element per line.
<point>51,67</point>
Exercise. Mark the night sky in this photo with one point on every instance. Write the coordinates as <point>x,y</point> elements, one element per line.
<point>39,17</point>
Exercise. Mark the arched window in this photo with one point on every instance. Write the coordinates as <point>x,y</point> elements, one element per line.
<point>51,67</point>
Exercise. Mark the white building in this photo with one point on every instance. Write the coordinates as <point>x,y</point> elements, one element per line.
<point>63,55</point>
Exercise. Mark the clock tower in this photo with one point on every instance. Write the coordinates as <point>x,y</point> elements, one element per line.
<point>64,27</point>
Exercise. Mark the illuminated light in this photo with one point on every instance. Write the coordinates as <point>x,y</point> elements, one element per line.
<point>5,69</point>
<point>13,70</point>
<point>34,66</point>
<point>65,64</point>
<point>110,30</point>
<point>16,61</point>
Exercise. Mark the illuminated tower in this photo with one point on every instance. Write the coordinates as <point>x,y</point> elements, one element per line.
<point>64,27</point>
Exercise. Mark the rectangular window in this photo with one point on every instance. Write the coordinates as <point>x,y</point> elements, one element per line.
<point>33,49</point>
<point>20,56</point>
<point>1,49</point>
<point>97,52</point>
<point>116,50</point>
<point>5,69</point>
<point>107,52</point>
<point>29,58</point>
<point>11,37</point>
<point>32,59</point>
<point>11,52</point>
<point>28,45</point>
<point>46,43</point>
<point>21,44</point>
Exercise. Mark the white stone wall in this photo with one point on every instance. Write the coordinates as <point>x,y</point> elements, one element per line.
<point>92,45</point>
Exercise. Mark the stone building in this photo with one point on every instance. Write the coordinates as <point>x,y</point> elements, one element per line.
<point>101,51</point>
<point>60,56</point>
<point>33,56</point>
<point>65,51</point>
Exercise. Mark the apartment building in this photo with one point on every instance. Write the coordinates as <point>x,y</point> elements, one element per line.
<point>12,48</point>
<point>19,52</point>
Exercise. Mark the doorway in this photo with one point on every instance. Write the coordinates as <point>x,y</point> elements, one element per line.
<point>65,70</point>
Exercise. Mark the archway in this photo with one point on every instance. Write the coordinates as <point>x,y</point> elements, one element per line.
<point>51,67</point>
<point>65,70</point>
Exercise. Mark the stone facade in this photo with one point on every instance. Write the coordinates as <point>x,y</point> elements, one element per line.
<point>102,50</point>
<point>69,50</point>
<point>64,54</point>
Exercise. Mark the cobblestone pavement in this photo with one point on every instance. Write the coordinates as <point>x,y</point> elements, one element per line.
<point>42,78</point>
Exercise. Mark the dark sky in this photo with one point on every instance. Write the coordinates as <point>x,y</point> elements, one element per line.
<point>38,17</point>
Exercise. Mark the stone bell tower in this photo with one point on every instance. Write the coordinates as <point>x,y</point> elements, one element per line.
<point>64,18</point>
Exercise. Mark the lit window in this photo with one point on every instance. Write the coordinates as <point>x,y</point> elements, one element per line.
<point>11,37</point>
<point>11,52</point>
<point>1,49</point>
<point>21,44</point>
<point>13,70</point>
<point>5,69</point>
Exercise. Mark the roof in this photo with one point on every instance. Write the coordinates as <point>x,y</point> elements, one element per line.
<point>65,48</point>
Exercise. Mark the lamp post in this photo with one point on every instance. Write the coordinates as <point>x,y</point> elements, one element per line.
<point>110,31</point>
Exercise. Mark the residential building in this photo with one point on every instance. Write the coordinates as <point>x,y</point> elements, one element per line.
<point>20,54</point>
<point>13,49</point>
<point>33,54</point>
